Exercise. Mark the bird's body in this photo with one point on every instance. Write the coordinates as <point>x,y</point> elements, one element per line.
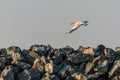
<point>76,25</point>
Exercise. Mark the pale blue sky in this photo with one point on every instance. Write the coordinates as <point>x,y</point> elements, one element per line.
<point>27,22</point>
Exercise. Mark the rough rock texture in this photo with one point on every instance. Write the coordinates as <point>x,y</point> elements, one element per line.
<point>41,62</point>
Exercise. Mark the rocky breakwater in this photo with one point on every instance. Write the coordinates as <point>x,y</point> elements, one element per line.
<point>42,62</point>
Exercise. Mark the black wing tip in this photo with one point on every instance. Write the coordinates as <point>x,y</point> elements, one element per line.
<point>85,21</point>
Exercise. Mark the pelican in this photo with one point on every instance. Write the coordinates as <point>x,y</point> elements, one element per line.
<point>76,25</point>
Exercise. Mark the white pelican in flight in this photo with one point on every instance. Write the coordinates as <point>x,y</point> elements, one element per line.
<point>76,25</point>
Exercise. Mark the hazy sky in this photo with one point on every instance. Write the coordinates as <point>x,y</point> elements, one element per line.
<point>27,22</point>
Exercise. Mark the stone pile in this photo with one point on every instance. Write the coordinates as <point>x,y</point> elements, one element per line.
<point>42,62</point>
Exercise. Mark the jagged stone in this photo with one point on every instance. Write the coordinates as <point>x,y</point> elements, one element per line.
<point>58,67</point>
<point>15,54</point>
<point>92,76</point>
<point>15,49</point>
<point>57,58</point>
<point>49,67</point>
<point>23,65</point>
<point>96,59</point>
<point>48,76</point>
<point>16,71</point>
<point>50,51</point>
<point>7,73</point>
<point>79,76</point>
<point>81,48</point>
<point>39,65</point>
<point>115,66</point>
<point>76,58</point>
<point>65,72</point>
<point>109,52</point>
<point>102,67</point>
<point>24,52</point>
<point>89,51</point>
<point>42,62</point>
<point>3,62</point>
<point>3,52</point>
<point>117,49</point>
<point>66,50</point>
<point>41,50</point>
<point>89,67</point>
<point>31,57</point>
<point>100,49</point>
<point>29,74</point>
<point>115,78</point>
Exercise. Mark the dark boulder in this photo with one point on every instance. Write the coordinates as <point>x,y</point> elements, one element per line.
<point>29,74</point>
<point>7,73</point>
<point>42,62</point>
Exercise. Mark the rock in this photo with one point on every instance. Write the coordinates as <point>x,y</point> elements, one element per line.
<point>65,72</point>
<point>23,65</point>
<point>115,66</point>
<point>58,67</point>
<point>49,67</point>
<point>96,59</point>
<point>14,49</point>
<point>29,74</point>
<point>116,55</point>
<point>7,73</point>
<point>66,50</point>
<point>31,57</point>
<point>115,78</point>
<point>102,67</point>
<point>89,68</point>
<point>48,76</point>
<point>100,49</point>
<point>79,76</point>
<point>16,71</point>
<point>3,62</point>
<point>109,52</point>
<point>35,64</point>
<point>50,51</point>
<point>42,62</point>
<point>57,58</point>
<point>89,51</point>
<point>24,52</point>
<point>76,58</point>
<point>3,52</point>
<point>81,48</point>
<point>82,67</point>
<point>117,49</point>
<point>41,50</point>
<point>39,66</point>
<point>93,77</point>
<point>15,54</point>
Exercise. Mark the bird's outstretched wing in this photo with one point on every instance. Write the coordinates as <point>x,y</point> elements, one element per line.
<point>70,31</point>
<point>73,29</point>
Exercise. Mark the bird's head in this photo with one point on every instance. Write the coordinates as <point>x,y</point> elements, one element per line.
<point>74,22</point>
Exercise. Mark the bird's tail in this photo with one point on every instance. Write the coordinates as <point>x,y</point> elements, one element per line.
<point>85,23</point>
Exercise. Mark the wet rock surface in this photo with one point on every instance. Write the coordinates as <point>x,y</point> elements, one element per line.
<point>43,62</point>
